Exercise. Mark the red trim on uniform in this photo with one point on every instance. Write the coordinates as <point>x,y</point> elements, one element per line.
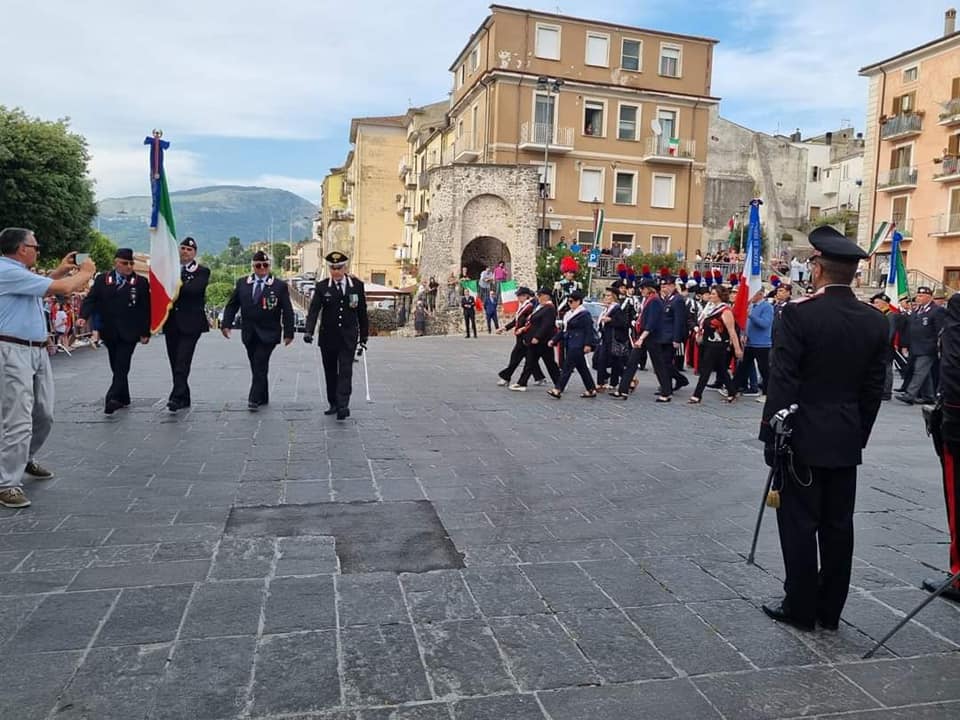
<point>949,483</point>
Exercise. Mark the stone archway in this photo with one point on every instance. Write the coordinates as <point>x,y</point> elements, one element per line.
<point>483,252</point>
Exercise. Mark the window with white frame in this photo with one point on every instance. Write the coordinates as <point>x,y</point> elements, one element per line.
<point>548,42</point>
<point>550,179</point>
<point>628,122</point>
<point>670,60</point>
<point>462,77</point>
<point>474,59</point>
<point>911,74</point>
<point>621,243</point>
<point>585,239</point>
<point>631,54</point>
<point>625,187</point>
<point>591,184</point>
<point>598,49</point>
<point>593,117</point>
<point>662,191</point>
<point>660,244</point>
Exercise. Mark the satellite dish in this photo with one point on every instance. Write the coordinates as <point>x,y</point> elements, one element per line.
<point>655,126</point>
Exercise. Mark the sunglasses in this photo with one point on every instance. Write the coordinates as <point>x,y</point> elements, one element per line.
<point>261,264</point>
<point>125,262</point>
<point>34,246</point>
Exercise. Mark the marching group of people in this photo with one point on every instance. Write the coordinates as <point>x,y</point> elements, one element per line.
<point>118,302</point>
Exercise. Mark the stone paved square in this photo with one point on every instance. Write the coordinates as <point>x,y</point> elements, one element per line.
<point>222,564</point>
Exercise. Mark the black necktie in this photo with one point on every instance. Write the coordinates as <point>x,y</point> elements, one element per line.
<point>257,290</point>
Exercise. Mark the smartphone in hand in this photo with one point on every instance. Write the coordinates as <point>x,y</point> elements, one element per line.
<point>80,258</point>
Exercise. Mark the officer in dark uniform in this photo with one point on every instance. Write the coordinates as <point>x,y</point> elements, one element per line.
<point>121,299</point>
<point>341,305</point>
<point>925,324</point>
<point>186,322</point>
<point>673,335</point>
<point>829,360</point>
<point>264,305</point>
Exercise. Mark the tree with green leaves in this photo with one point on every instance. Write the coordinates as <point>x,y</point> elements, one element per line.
<point>102,250</point>
<point>218,293</point>
<point>44,183</point>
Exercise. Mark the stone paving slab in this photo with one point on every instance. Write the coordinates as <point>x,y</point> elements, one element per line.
<point>204,565</point>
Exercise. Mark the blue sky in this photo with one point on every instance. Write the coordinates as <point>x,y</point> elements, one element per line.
<point>264,97</point>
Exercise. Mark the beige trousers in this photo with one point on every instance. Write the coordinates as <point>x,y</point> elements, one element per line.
<point>26,408</point>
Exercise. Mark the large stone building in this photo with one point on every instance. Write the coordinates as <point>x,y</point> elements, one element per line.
<point>611,117</point>
<point>912,154</point>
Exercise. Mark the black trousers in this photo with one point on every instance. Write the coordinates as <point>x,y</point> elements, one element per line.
<point>633,361</point>
<point>180,350</point>
<point>661,355</point>
<point>609,366</point>
<point>517,356</point>
<point>534,354</point>
<point>950,462</point>
<point>713,359</point>
<point>470,320</point>
<point>574,359</point>
<point>120,353</point>
<point>338,373</point>
<point>815,518</point>
<point>258,353</point>
<point>750,354</point>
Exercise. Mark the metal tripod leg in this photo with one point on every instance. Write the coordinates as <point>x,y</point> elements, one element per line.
<point>936,593</point>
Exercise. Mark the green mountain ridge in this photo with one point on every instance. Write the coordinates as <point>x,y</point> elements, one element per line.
<point>211,215</point>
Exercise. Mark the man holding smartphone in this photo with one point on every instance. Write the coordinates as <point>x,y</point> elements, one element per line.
<point>26,380</point>
<point>122,300</point>
<point>186,322</point>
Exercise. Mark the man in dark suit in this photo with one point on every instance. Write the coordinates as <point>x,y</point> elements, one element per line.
<point>340,304</point>
<point>186,321</point>
<point>828,360</point>
<point>541,325</point>
<point>925,324</point>
<point>121,299</point>
<point>518,326</point>
<point>651,320</point>
<point>673,334</point>
<point>264,305</point>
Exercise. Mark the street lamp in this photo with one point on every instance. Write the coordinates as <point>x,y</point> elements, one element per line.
<point>551,87</point>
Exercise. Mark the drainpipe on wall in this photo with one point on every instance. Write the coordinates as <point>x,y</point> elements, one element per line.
<point>686,237</point>
<point>876,170</point>
<point>486,105</point>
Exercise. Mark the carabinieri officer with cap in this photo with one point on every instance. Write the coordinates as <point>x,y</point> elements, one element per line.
<point>121,299</point>
<point>186,322</point>
<point>264,304</point>
<point>341,306</point>
<point>829,359</point>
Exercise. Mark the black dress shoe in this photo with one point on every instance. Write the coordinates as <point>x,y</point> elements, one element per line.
<point>827,625</point>
<point>174,406</point>
<point>332,410</point>
<point>951,593</point>
<point>906,399</point>
<point>680,383</point>
<point>111,407</point>
<point>343,413</point>
<point>252,406</point>
<point>781,614</point>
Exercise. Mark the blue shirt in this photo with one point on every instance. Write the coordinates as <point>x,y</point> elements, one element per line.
<point>760,325</point>
<point>21,301</point>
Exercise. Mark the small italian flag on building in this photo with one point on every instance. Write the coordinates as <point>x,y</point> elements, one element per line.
<point>508,296</point>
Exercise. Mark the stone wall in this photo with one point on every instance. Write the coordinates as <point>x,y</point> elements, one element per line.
<point>481,201</point>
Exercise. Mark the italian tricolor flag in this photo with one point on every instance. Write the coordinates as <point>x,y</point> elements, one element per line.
<point>508,296</point>
<point>164,251</point>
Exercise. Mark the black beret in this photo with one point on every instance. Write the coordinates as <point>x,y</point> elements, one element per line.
<point>545,291</point>
<point>525,291</point>
<point>648,283</point>
<point>575,295</point>
<point>188,242</point>
<point>831,244</point>
<point>124,254</point>
<point>260,256</point>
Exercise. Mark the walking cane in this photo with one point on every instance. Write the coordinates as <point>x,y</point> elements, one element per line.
<point>366,375</point>
<point>935,594</point>
<point>782,431</point>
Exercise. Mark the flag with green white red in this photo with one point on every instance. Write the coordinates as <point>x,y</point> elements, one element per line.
<point>164,251</point>
<point>508,296</point>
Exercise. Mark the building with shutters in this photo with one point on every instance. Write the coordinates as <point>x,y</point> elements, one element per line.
<point>912,155</point>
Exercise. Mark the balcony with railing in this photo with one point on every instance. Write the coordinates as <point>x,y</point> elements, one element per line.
<point>948,170</point>
<point>464,148</point>
<point>408,217</point>
<point>404,166</point>
<point>403,203</point>
<point>947,224</point>
<point>536,136</point>
<point>950,114</point>
<point>901,126</point>
<point>673,151</point>
<point>410,179</point>
<point>901,178</point>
